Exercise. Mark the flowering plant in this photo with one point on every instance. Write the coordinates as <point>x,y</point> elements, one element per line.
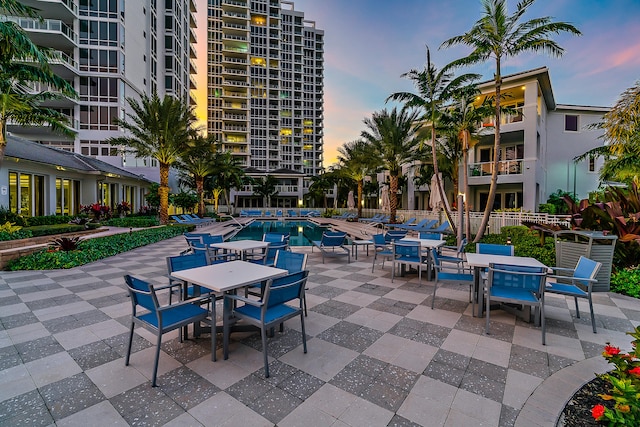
<point>123,207</point>
<point>624,380</point>
<point>97,210</point>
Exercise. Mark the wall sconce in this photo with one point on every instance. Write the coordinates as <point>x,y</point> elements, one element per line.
<point>508,240</point>
<point>300,202</point>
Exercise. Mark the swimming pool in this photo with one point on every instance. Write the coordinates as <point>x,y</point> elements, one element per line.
<point>302,232</point>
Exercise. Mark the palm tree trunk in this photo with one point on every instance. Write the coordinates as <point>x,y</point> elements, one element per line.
<point>436,171</point>
<point>496,150</point>
<point>360,186</point>
<point>393,198</point>
<point>200,191</point>
<point>465,183</point>
<point>3,138</point>
<point>163,192</point>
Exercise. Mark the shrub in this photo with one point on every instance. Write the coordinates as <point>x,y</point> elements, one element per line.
<point>48,230</point>
<point>91,250</point>
<point>48,220</point>
<point>65,244</point>
<point>135,222</point>
<point>7,216</point>
<point>549,208</point>
<point>526,243</point>
<point>626,281</point>
<point>9,231</point>
<point>624,381</point>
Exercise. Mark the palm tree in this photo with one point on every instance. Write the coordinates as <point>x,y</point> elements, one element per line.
<point>461,120</point>
<point>621,127</point>
<point>392,134</point>
<point>358,161</point>
<point>160,129</point>
<point>320,185</point>
<point>197,163</point>
<point>266,187</point>
<point>228,174</point>
<point>499,35</point>
<point>22,64</point>
<point>435,89</point>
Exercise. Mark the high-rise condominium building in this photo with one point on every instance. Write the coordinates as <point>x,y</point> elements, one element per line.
<point>265,92</point>
<point>111,50</point>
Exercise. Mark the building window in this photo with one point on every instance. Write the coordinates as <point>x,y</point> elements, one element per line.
<point>26,194</point>
<point>67,196</point>
<point>571,123</point>
<point>592,164</point>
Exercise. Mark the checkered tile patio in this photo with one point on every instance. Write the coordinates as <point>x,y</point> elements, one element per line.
<point>378,355</point>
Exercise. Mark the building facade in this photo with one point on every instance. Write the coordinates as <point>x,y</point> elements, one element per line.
<point>539,142</point>
<point>265,92</point>
<point>111,50</point>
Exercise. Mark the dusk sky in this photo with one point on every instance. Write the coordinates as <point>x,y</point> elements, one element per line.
<point>370,43</point>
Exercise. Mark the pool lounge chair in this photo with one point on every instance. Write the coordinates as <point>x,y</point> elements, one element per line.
<point>375,218</point>
<point>423,225</point>
<point>332,244</point>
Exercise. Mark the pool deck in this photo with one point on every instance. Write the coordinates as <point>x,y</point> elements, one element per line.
<point>378,354</point>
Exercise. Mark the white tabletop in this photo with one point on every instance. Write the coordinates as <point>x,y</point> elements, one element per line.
<point>228,275</point>
<point>483,260</point>
<point>240,245</point>
<point>425,243</point>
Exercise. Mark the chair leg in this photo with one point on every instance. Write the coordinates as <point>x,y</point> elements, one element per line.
<point>393,271</point>
<point>577,309</point>
<point>593,317</point>
<point>488,303</point>
<point>156,362</point>
<point>304,334</point>
<point>263,332</point>
<point>542,323</point>
<point>433,300</point>
<point>214,333</point>
<point>126,360</point>
<point>304,302</point>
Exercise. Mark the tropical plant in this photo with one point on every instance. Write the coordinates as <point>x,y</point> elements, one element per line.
<point>228,174</point>
<point>160,129</point>
<point>435,91</point>
<point>499,36</point>
<point>392,134</point>
<point>266,187</point>
<point>557,200</point>
<point>196,163</point>
<point>621,150</point>
<point>23,64</point>
<point>320,185</point>
<point>358,161</point>
<point>623,385</point>
<point>185,200</point>
<point>65,244</point>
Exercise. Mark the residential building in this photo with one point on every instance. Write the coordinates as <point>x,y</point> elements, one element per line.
<point>265,92</point>
<point>539,142</point>
<point>111,50</point>
<point>37,179</point>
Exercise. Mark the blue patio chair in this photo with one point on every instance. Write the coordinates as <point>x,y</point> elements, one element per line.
<point>332,244</point>
<point>410,221</point>
<point>279,213</point>
<point>196,222</point>
<point>459,252</point>
<point>423,225</point>
<point>375,218</point>
<point>576,283</point>
<point>408,253</point>
<point>293,262</point>
<point>180,220</point>
<point>184,262</point>
<point>196,218</point>
<point>380,248</point>
<point>447,271</point>
<point>517,285</point>
<point>271,310</point>
<point>160,319</point>
<point>393,235</point>
<point>494,249</point>
<point>429,235</point>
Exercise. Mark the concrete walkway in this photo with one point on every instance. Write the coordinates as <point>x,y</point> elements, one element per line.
<point>378,354</point>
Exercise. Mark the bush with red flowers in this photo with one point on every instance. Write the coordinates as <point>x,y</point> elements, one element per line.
<point>624,386</point>
<point>97,210</point>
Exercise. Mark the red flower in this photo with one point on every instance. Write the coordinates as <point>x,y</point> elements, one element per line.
<point>610,350</point>
<point>635,371</point>
<point>597,411</point>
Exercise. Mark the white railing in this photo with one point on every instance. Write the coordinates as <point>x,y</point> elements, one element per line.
<point>505,167</point>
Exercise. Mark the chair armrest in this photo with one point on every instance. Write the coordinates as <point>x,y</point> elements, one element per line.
<point>181,303</point>
<point>562,269</point>
<point>255,303</point>
<point>552,276</point>
<point>170,285</point>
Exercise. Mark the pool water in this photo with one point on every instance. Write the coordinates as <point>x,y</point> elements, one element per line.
<point>302,232</point>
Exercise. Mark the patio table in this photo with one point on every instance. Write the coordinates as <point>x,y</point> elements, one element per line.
<point>482,261</point>
<point>241,246</point>
<point>227,277</point>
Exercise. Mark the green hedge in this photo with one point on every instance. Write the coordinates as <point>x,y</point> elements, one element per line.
<point>626,281</point>
<point>48,230</point>
<point>48,220</point>
<point>135,222</point>
<point>526,243</point>
<point>20,234</point>
<point>91,250</point>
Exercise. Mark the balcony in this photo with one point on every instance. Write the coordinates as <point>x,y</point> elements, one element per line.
<point>505,167</point>
<point>66,10</point>
<point>505,119</point>
<point>51,32</point>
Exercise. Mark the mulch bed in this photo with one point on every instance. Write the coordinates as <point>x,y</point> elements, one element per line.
<point>577,412</point>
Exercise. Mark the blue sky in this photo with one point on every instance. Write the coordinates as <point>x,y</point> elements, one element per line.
<point>370,43</point>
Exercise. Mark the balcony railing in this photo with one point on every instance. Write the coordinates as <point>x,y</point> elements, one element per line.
<point>504,118</point>
<point>505,167</point>
<point>47,25</point>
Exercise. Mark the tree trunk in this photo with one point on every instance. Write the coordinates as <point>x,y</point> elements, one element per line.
<point>360,186</point>
<point>200,191</point>
<point>393,198</point>
<point>163,192</point>
<point>465,183</point>
<point>3,139</point>
<point>496,150</point>
<point>436,171</point>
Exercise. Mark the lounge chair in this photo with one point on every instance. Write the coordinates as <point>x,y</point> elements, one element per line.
<point>332,244</point>
<point>375,218</point>
<point>423,225</point>
<point>410,221</point>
